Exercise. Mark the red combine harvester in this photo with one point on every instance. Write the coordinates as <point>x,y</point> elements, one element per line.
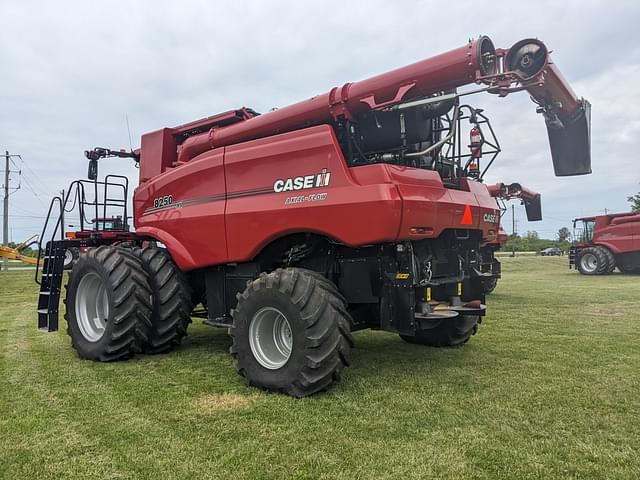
<point>359,208</point>
<point>489,264</point>
<point>604,242</point>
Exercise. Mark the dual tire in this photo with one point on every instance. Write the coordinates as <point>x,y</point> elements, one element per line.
<point>122,301</point>
<point>596,260</point>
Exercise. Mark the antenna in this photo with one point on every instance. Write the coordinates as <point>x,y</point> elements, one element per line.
<point>126,116</point>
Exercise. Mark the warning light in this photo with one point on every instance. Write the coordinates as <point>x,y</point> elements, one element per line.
<point>467,219</point>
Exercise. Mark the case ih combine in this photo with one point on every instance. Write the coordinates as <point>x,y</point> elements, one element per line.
<point>604,242</point>
<point>359,208</point>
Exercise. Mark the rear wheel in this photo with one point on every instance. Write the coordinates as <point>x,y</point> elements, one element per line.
<point>593,261</point>
<point>291,332</point>
<point>449,332</point>
<point>489,284</point>
<point>108,304</point>
<point>629,269</point>
<point>172,303</point>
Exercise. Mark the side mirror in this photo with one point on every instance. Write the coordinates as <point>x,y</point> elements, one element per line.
<point>93,169</point>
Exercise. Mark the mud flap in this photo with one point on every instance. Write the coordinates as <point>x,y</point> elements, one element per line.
<point>397,311</point>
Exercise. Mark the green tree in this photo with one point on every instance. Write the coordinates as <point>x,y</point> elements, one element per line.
<point>634,200</point>
<point>563,234</point>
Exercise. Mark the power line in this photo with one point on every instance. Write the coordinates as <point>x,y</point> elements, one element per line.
<point>35,184</point>
<point>32,190</point>
<point>36,181</point>
<point>23,211</point>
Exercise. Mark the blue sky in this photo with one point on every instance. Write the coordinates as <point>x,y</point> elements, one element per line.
<point>72,71</point>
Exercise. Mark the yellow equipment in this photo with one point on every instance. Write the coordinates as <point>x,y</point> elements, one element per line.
<point>16,253</point>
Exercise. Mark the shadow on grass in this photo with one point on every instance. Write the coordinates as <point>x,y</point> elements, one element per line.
<point>378,357</point>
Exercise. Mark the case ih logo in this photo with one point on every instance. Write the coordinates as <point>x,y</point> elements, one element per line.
<point>300,183</point>
<point>490,218</point>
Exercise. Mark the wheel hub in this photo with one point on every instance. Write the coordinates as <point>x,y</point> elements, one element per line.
<point>589,262</point>
<point>270,338</point>
<point>68,257</point>
<point>92,306</point>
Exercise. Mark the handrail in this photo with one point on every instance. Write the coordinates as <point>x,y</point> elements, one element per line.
<point>77,192</point>
<point>44,229</point>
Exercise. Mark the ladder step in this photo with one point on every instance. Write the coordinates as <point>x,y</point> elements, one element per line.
<point>45,293</point>
<point>43,310</point>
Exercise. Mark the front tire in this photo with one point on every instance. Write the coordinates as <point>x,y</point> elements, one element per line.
<point>108,304</point>
<point>291,332</point>
<point>593,261</point>
<point>172,303</point>
<point>610,258</point>
<point>448,332</point>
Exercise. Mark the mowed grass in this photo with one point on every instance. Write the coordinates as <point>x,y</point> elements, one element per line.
<point>549,388</point>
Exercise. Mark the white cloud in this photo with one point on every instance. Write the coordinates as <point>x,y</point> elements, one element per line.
<point>71,70</point>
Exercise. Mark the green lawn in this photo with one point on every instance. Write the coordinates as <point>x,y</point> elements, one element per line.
<point>549,388</point>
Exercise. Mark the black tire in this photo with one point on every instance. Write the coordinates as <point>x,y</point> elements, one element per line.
<point>489,284</point>
<point>629,269</point>
<point>124,287</point>
<point>172,300</point>
<point>71,256</point>
<point>449,332</point>
<point>592,261</point>
<point>320,331</point>
<point>610,259</point>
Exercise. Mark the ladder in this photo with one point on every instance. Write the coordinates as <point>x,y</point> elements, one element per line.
<point>51,285</point>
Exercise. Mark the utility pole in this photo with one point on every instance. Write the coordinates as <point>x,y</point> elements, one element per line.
<point>5,225</point>
<point>513,220</point>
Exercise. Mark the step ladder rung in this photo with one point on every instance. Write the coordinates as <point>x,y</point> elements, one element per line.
<point>43,310</point>
<point>45,293</point>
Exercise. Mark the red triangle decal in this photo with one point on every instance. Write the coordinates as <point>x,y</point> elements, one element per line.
<point>466,217</point>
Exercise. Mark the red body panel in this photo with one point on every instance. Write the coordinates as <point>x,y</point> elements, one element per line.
<point>192,226</point>
<point>225,209</point>
<point>618,232</point>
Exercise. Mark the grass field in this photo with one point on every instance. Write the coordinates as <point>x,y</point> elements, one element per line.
<point>549,388</point>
